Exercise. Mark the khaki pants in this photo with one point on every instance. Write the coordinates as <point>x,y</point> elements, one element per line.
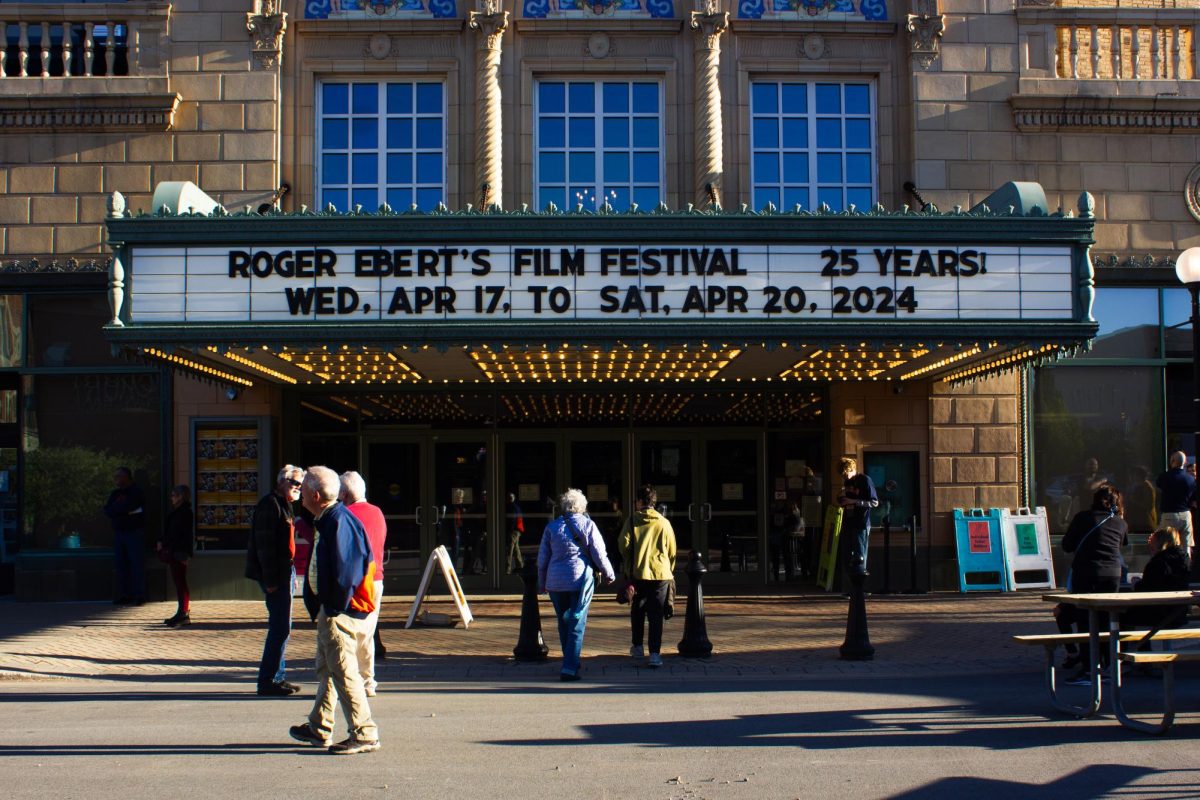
<point>337,672</point>
<point>364,647</point>
<point>1182,522</point>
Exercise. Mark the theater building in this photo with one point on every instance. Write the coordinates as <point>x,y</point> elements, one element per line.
<point>483,252</point>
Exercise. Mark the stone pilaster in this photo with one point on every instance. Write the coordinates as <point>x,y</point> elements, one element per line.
<point>489,142</point>
<point>709,24</point>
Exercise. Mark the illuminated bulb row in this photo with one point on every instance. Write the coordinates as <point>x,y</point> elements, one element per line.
<point>196,366</point>
<point>947,361</point>
<point>239,359</point>
<point>999,365</point>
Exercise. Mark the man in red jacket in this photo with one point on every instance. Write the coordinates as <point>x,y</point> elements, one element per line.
<point>354,496</point>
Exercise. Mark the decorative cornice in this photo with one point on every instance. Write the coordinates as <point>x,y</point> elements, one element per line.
<point>266,26</point>
<point>54,264</point>
<point>107,112</point>
<point>1044,113</point>
<point>926,27</point>
<point>1148,261</point>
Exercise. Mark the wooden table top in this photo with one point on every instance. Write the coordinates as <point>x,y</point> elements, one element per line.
<point>1125,599</point>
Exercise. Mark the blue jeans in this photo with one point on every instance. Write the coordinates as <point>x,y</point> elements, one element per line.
<point>279,630</point>
<point>571,608</point>
<point>854,548</point>
<point>129,554</point>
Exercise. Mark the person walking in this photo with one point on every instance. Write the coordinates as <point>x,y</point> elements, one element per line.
<point>516,527</point>
<point>339,594</point>
<point>354,497</point>
<point>857,499</point>
<point>126,510</point>
<point>1176,489</point>
<point>175,548</point>
<point>571,549</point>
<point>647,545</point>
<point>269,561</point>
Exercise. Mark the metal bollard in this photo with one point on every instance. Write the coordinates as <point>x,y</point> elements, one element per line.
<point>530,645</point>
<point>695,643</point>
<point>857,646</point>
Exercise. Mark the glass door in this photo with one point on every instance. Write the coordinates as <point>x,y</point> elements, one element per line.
<point>394,471</point>
<point>598,469</point>
<point>460,500</point>
<point>669,464</point>
<point>530,485</point>
<point>729,510</point>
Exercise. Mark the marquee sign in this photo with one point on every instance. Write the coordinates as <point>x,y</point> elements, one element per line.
<point>422,283</point>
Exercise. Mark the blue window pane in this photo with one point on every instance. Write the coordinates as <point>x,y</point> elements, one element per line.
<point>860,198</point>
<point>429,168</point>
<point>858,133</point>
<point>429,133</point>
<point>552,168</point>
<point>829,98</point>
<point>581,98</point>
<point>858,98</point>
<point>400,198</point>
<point>335,98</point>
<point>400,133</point>
<point>337,197</point>
<point>766,168</point>
<point>552,194</point>
<point>366,134</point>
<point>1177,309</point>
<point>366,98</point>
<point>552,132</point>
<point>619,198</point>
<point>581,194</point>
<point>367,197</point>
<point>795,196</point>
<point>429,98</point>
<point>366,168</point>
<point>645,98</point>
<point>1124,310</point>
<point>795,132</point>
<point>645,168</point>
<point>830,196</point>
<point>763,195</point>
<point>399,98</point>
<point>764,98</point>
<point>645,132</point>
<point>795,168</point>
<point>858,168</point>
<point>334,134</point>
<point>647,197</point>
<point>795,98</point>
<point>399,168</point>
<point>616,98</point>
<point>334,169</point>
<point>582,132</point>
<point>616,168</point>
<point>829,133</point>
<point>616,132</point>
<point>582,167</point>
<point>551,98</point>
<point>765,132</point>
<point>427,199</point>
<point>829,168</point>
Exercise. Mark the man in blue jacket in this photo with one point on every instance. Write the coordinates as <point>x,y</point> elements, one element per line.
<point>126,508</point>
<point>339,593</point>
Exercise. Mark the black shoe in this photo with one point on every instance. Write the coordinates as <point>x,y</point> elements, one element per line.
<point>1072,662</point>
<point>275,690</point>
<point>305,733</point>
<point>567,677</point>
<point>177,620</point>
<point>291,687</point>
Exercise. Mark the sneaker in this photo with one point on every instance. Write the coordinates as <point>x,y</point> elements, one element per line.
<point>275,690</point>
<point>655,661</point>
<point>351,746</point>
<point>369,690</point>
<point>1079,679</point>
<point>305,733</point>
<point>291,687</point>
<point>177,620</point>
<point>637,652</point>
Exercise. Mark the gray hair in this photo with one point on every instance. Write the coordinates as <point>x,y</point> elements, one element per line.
<point>354,488</point>
<point>572,501</point>
<point>1178,459</point>
<point>289,471</point>
<point>324,482</point>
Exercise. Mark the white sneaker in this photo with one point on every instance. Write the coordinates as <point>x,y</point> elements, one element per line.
<point>637,652</point>
<point>655,661</point>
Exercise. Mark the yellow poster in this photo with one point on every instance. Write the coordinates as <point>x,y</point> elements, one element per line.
<point>829,546</point>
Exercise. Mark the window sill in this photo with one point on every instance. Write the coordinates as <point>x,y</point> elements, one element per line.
<point>111,104</point>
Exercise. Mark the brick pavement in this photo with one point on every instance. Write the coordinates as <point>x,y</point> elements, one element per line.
<point>763,635</point>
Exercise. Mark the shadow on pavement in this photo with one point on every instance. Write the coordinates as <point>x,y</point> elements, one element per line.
<point>230,749</point>
<point>1101,780</point>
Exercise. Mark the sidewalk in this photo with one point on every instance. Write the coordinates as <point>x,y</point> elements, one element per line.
<point>759,636</point>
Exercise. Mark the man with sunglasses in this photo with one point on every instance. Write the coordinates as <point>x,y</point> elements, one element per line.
<point>269,558</point>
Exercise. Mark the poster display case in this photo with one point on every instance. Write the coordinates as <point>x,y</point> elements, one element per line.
<point>229,474</point>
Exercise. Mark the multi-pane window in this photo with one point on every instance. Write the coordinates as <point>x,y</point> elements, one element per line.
<point>598,141</point>
<point>381,142</point>
<point>812,143</point>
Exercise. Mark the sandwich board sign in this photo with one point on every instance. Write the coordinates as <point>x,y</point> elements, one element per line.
<point>829,546</point>
<point>442,559</point>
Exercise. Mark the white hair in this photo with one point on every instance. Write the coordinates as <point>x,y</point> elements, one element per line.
<point>289,471</point>
<point>354,488</point>
<point>572,501</point>
<point>1178,459</point>
<point>324,481</point>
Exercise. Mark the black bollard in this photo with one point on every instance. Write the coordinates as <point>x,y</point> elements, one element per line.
<point>857,646</point>
<point>695,643</point>
<point>530,645</point>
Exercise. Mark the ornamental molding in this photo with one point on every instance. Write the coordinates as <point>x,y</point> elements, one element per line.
<point>491,25</point>
<point>1148,261</point>
<point>710,24</point>
<point>1048,113</point>
<point>110,113</point>
<point>925,27</point>
<point>54,264</point>
<point>266,25</point>
<point>1191,192</point>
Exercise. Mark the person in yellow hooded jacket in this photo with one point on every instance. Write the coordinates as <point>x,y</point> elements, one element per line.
<point>647,544</point>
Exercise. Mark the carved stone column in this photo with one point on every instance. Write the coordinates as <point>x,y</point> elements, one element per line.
<point>489,140</point>
<point>116,270</point>
<point>709,25</point>
<point>925,27</point>
<point>266,25</point>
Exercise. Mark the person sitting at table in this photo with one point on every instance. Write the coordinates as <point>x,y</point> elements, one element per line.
<point>1096,536</point>
<point>1166,571</point>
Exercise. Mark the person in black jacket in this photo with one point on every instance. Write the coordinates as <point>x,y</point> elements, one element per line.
<point>126,509</point>
<point>269,558</point>
<point>1096,536</point>
<point>175,548</point>
<point>1166,571</point>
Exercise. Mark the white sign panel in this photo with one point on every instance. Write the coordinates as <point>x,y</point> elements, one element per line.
<point>598,282</point>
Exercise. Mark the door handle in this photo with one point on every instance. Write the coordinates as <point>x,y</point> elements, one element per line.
<point>691,513</point>
<point>417,515</point>
<point>706,512</point>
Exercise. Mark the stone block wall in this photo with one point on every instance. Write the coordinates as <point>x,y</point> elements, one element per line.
<point>196,398</point>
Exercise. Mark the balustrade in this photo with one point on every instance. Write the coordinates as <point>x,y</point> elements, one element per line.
<point>59,49</point>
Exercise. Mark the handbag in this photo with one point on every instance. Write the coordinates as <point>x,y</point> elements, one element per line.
<point>625,590</point>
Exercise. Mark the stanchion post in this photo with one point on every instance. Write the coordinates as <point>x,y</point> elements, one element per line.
<point>695,643</point>
<point>857,646</point>
<point>530,645</point>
